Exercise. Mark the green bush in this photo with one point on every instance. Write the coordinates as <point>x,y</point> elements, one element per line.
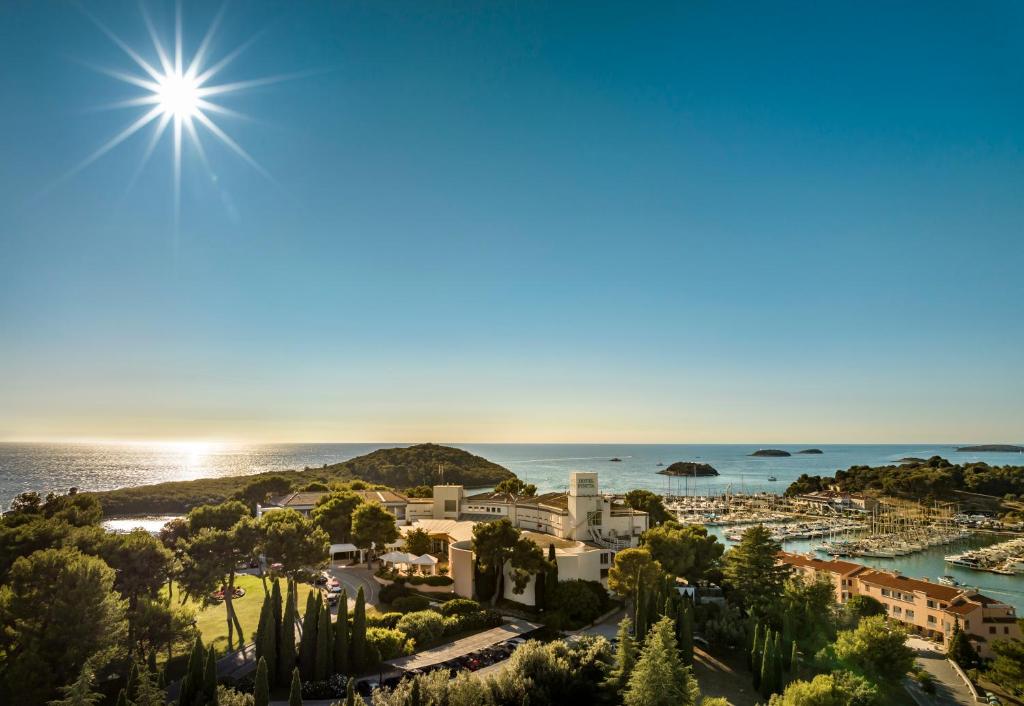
<point>389,643</point>
<point>581,602</point>
<point>388,594</point>
<point>460,606</point>
<point>410,604</point>
<point>467,622</point>
<point>425,626</point>
<point>438,580</point>
<point>383,620</point>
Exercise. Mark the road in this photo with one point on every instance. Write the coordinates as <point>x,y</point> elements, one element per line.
<point>354,577</point>
<point>949,688</point>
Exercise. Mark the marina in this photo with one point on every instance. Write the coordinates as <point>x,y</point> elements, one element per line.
<point>1006,558</point>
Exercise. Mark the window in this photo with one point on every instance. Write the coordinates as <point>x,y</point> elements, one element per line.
<point>931,620</point>
<point>885,592</point>
<point>992,630</point>
<point>1006,630</point>
<point>910,614</point>
<point>931,603</point>
<point>594,518</point>
<point>450,506</point>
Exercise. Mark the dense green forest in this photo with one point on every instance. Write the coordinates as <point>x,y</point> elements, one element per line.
<point>935,477</point>
<point>398,468</point>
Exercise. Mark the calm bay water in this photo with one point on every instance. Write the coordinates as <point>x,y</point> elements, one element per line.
<point>104,466</point>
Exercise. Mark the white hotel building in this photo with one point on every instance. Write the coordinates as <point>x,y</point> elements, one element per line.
<point>585,527</point>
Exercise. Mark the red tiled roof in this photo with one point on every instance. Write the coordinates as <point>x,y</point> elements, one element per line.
<point>832,566</point>
<point>902,583</point>
<point>961,608</point>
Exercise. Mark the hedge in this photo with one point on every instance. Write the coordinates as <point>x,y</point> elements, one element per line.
<point>410,604</point>
<point>460,606</point>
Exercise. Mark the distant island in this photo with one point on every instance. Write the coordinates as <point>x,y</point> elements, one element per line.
<point>811,451</point>
<point>999,448</point>
<point>689,468</point>
<point>615,460</point>
<point>771,452</point>
<point>399,468</point>
<point>911,459</point>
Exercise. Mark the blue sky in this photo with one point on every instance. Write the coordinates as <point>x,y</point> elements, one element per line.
<point>549,221</point>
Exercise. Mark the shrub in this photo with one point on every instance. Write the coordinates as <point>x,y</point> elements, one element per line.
<point>438,580</point>
<point>396,590</point>
<point>383,620</point>
<point>466,622</point>
<point>460,606</point>
<point>425,626</point>
<point>389,643</point>
<point>332,687</point>
<point>410,604</point>
<point>581,601</point>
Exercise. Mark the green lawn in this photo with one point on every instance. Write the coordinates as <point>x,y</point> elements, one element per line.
<point>212,620</point>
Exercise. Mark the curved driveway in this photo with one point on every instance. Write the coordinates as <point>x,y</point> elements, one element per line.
<point>354,577</point>
<point>949,689</point>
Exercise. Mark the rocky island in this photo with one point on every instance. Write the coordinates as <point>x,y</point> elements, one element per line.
<point>689,468</point>
<point>999,448</point>
<point>811,451</point>
<point>771,452</point>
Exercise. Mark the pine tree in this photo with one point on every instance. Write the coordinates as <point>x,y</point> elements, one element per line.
<point>210,677</point>
<point>341,636</point>
<point>148,691</point>
<point>80,691</point>
<point>660,678</point>
<point>295,693</point>
<point>754,661</point>
<point>324,663</point>
<point>357,643</point>
<point>686,631</point>
<point>261,689</point>
<point>133,677</point>
<point>286,655</point>
<point>350,693</point>
<point>307,643</point>
<point>625,658</point>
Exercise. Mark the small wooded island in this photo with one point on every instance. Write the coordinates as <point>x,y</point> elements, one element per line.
<point>1000,448</point>
<point>811,451</point>
<point>771,452</point>
<point>689,468</point>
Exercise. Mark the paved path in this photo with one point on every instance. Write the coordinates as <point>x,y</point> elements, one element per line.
<point>352,577</point>
<point>949,688</point>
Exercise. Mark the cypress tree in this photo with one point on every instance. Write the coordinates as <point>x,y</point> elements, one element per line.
<point>286,656</point>
<point>267,637</point>
<point>794,659</point>
<point>261,689</point>
<point>261,629</point>
<point>122,698</point>
<point>210,677</point>
<point>752,656</point>
<point>756,656</point>
<point>641,613</point>
<point>767,668</point>
<point>133,677</point>
<point>350,693</point>
<point>324,664</point>
<point>686,633</point>
<point>295,693</point>
<point>787,636</point>
<point>776,663</point>
<point>307,643</point>
<point>191,684</point>
<point>359,658</point>
<point>625,658</point>
<point>341,636</point>
<point>414,696</point>
<point>276,616</point>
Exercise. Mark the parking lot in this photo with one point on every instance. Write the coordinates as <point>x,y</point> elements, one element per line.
<point>470,653</point>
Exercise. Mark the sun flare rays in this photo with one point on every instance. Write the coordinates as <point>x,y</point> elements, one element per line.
<point>175,98</point>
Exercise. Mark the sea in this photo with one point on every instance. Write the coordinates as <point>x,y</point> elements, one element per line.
<point>103,466</point>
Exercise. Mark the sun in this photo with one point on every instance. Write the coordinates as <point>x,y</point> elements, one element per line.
<point>176,97</point>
